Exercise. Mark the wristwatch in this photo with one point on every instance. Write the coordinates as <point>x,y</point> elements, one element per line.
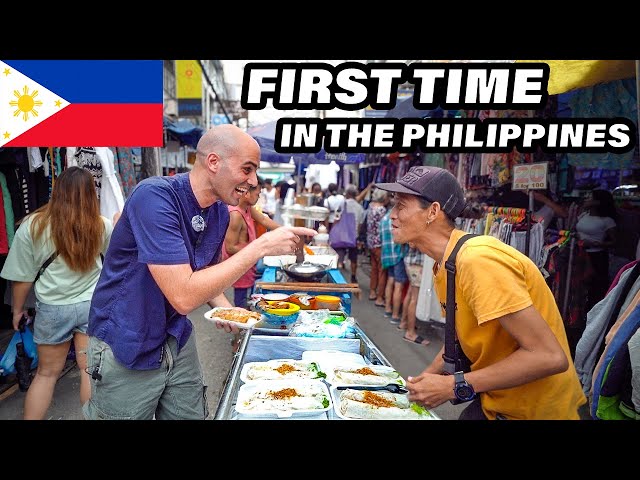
<point>463,390</point>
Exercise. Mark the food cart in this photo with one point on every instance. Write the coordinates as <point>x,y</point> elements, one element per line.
<point>257,346</point>
<point>334,342</point>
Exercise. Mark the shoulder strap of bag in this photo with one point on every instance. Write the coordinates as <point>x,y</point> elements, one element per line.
<point>452,351</point>
<point>44,266</point>
<point>53,256</point>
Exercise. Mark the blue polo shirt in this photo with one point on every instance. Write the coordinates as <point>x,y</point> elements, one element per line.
<point>128,310</point>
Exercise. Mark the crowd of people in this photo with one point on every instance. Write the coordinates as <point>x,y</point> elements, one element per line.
<point>120,289</point>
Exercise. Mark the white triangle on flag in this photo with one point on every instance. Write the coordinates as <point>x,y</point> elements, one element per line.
<point>24,103</point>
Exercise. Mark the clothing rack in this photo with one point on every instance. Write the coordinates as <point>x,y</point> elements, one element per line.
<point>569,236</point>
<point>516,213</point>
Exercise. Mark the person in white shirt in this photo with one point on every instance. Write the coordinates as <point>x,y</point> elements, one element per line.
<point>269,195</point>
<point>596,229</point>
<point>334,202</point>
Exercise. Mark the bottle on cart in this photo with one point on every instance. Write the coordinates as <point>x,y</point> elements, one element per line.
<point>322,238</point>
<point>23,367</point>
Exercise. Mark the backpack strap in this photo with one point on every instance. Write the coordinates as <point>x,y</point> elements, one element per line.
<point>454,358</point>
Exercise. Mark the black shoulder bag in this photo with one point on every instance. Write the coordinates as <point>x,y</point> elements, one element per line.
<point>454,358</point>
<point>44,266</point>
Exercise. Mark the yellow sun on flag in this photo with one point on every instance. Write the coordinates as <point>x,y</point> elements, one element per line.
<point>26,103</point>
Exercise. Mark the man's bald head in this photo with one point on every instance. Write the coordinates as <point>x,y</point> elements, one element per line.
<point>225,140</point>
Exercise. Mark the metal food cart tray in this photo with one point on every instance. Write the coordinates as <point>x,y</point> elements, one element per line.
<point>256,347</point>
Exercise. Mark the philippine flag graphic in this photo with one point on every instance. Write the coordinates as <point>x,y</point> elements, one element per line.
<point>117,103</point>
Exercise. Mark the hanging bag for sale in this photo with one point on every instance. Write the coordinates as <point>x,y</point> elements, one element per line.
<point>343,233</point>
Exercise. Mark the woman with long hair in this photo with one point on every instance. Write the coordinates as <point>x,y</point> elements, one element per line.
<point>69,225</point>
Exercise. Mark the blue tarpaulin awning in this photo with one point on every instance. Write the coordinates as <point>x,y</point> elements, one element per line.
<point>183,131</point>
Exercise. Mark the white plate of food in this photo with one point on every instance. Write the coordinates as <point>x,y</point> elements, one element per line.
<point>280,369</point>
<point>376,405</point>
<point>283,398</point>
<point>239,317</point>
<point>275,297</point>
<point>367,375</point>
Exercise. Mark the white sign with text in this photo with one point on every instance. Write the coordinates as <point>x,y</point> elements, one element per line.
<point>530,176</point>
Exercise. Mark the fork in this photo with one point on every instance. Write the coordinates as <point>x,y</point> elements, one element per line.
<point>392,387</point>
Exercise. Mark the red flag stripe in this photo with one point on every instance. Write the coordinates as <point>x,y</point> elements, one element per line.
<point>111,125</point>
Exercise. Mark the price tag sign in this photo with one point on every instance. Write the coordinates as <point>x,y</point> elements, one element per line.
<point>530,176</point>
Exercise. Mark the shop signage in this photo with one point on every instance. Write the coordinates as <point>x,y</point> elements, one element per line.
<point>530,176</point>
<point>189,88</point>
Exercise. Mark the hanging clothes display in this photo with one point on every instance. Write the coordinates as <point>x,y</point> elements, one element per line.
<point>85,157</point>
<point>100,161</point>
<point>607,360</point>
<point>126,168</point>
<point>7,206</point>
<point>509,226</point>
<point>607,100</point>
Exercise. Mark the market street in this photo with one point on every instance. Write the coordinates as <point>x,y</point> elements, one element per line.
<point>214,348</point>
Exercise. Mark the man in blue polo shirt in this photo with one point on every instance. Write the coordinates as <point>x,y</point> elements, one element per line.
<point>163,262</point>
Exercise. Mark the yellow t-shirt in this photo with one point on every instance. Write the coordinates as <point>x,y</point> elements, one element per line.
<point>492,280</point>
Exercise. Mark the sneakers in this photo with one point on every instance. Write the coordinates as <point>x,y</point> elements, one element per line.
<point>354,279</point>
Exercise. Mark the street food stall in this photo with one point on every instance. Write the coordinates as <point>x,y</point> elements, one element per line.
<point>303,355</point>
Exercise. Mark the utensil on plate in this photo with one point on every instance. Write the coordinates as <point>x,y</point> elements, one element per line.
<point>392,387</point>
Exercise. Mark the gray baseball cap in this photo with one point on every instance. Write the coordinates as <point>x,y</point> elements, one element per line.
<point>434,185</point>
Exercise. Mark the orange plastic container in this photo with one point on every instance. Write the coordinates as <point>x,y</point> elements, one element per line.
<point>327,301</point>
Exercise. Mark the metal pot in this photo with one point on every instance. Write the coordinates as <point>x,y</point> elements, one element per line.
<point>306,271</point>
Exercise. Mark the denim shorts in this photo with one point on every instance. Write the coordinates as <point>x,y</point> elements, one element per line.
<point>398,272</point>
<point>174,391</point>
<point>56,324</point>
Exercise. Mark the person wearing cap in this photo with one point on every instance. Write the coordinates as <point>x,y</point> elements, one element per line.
<point>507,320</point>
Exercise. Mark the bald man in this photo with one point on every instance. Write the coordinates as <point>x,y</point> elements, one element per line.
<point>163,262</point>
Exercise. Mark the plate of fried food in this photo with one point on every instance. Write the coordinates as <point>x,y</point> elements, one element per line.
<point>239,317</point>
